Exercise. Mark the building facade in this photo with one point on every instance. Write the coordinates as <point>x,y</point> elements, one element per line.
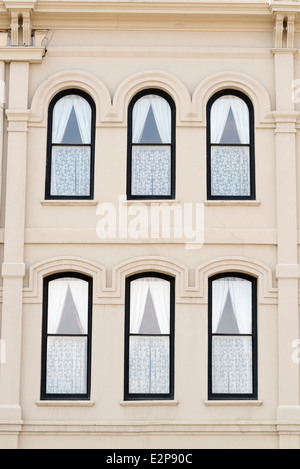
<point>149,224</point>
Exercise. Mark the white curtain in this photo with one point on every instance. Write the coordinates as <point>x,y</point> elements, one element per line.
<point>241,298</point>
<point>218,118</point>
<point>160,292</point>
<point>138,295</point>
<point>57,292</point>
<point>66,365</point>
<point>61,114</point>
<point>80,294</point>
<point>83,114</point>
<point>162,114</point>
<point>220,290</point>
<point>241,116</point>
<point>139,116</point>
<point>219,115</point>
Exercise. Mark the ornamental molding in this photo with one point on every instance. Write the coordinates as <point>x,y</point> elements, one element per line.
<point>112,291</point>
<point>238,81</point>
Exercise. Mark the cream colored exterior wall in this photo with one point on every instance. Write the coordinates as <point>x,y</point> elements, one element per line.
<point>112,50</point>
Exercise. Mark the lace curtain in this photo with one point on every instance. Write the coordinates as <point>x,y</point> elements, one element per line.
<point>149,365</point>
<point>70,170</point>
<point>230,171</point>
<point>151,165</point>
<point>149,356</point>
<point>232,355</point>
<point>232,365</point>
<point>151,170</point>
<point>66,365</point>
<point>66,356</point>
<point>230,165</point>
<point>70,165</point>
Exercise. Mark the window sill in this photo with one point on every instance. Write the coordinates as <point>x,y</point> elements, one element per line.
<point>75,203</point>
<point>151,202</point>
<point>158,403</point>
<point>237,402</point>
<point>232,203</point>
<point>66,403</point>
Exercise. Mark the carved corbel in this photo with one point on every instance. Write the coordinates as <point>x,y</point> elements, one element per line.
<point>284,31</point>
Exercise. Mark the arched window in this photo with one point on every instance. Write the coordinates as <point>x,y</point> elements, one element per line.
<point>149,337</point>
<point>151,146</point>
<point>230,153</point>
<point>70,147</point>
<point>66,338</point>
<point>232,337</point>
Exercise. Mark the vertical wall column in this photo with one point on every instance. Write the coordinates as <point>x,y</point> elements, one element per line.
<point>2,110</point>
<point>287,269</point>
<point>13,268</point>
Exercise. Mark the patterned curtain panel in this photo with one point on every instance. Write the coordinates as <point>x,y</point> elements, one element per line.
<point>230,151</point>
<point>66,365</point>
<point>230,171</point>
<point>232,365</point>
<point>71,151</point>
<point>149,341</point>
<point>151,170</point>
<point>67,328</point>
<point>70,170</point>
<point>149,365</point>
<point>232,336</point>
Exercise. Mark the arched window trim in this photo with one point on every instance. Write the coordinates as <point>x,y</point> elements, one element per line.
<point>231,396</point>
<point>46,281</point>
<point>167,97</point>
<point>249,104</point>
<point>170,395</point>
<point>57,97</point>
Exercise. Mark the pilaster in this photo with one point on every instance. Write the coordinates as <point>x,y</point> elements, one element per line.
<point>287,270</point>
<point>13,268</point>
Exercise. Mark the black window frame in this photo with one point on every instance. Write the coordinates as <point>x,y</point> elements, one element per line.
<point>57,97</point>
<point>234,396</point>
<point>251,145</point>
<point>167,97</point>
<point>149,396</point>
<point>45,335</point>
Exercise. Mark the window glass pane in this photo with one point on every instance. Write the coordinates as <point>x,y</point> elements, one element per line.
<point>229,120</point>
<point>71,121</point>
<point>66,365</point>
<point>230,134</point>
<point>70,170</point>
<point>150,306</point>
<point>151,170</point>
<point>232,365</point>
<point>232,306</point>
<point>72,133</point>
<point>230,171</point>
<point>149,362</point>
<point>68,306</point>
<point>151,120</point>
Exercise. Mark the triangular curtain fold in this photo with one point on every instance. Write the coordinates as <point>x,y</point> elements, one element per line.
<point>219,115</point>
<point>160,293</point>
<point>61,114</point>
<point>162,115</point>
<point>57,292</point>
<point>240,291</point>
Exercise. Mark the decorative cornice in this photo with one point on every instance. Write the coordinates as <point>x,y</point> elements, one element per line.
<point>285,6</point>
<point>22,54</point>
<point>20,5</point>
